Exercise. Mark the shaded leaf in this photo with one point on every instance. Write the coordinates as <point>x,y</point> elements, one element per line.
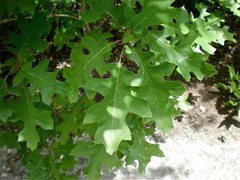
<point>11,6</point>
<point>30,36</point>
<point>84,62</point>
<point>65,34</point>
<point>41,80</point>
<point>5,113</point>
<point>72,119</point>
<point>98,157</point>
<point>24,110</point>
<point>141,150</point>
<point>100,7</point>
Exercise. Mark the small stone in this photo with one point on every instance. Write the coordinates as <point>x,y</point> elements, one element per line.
<point>4,175</point>
<point>203,109</point>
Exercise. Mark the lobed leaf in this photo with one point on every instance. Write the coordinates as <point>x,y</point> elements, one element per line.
<point>41,80</point>
<point>110,114</point>
<point>181,54</point>
<point>72,119</point>
<point>157,90</point>
<point>98,157</point>
<point>88,56</point>
<point>24,110</point>
<point>232,5</point>
<point>100,7</point>
<point>30,37</point>
<point>141,150</point>
<point>13,6</point>
<point>152,13</point>
<point>5,112</point>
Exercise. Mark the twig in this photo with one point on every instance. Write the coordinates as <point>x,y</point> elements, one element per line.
<point>4,21</point>
<point>63,15</point>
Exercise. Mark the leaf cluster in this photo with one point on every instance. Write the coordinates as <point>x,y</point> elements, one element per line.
<point>233,89</point>
<point>92,78</point>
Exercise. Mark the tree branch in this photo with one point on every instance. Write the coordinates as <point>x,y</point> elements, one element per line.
<point>4,21</point>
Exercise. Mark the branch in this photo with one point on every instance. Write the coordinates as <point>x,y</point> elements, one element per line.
<point>4,21</point>
<point>63,15</point>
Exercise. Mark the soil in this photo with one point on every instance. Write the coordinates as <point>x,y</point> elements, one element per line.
<point>205,141</point>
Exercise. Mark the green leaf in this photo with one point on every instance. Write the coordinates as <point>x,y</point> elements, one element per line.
<point>237,93</point>
<point>232,103</point>
<point>72,119</point>
<point>232,5</point>
<point>153,13</point>
<point>210,30</point>
<point>221,86</point>
<point>5,113</point>
<point>41,80</point>
<point>62,152</point>
<point>34,162</point>
<point>100,7</point>
<point>64,35</point>
<point>232,72</point>
<point>41,166</point>
<point>141,150</point>
<point>233,86</point>
<point>180,54</point>
<point>130,3</point>
<point>11,6</point>
<point>183,104</point>
<point>9,139</point>
<point>72,127</point>
<point>3,88</point>
<point>157,91</point>
<point>110,114</point>
<point>98,158</point>
<point>24,110</point>
<point>30,37</point>
<point>83,64</point>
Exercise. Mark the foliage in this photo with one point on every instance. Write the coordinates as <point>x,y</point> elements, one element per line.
<point>92,78</point>
<point>233,88</point>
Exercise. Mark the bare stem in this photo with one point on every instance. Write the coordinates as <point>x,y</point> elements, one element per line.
<point>4,21</point>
